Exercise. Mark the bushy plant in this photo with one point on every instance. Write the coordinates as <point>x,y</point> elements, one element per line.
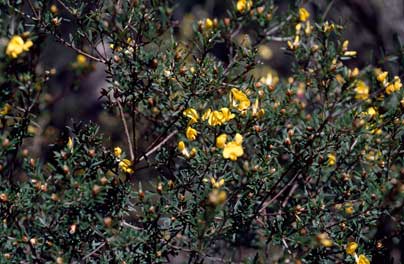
<point>304,168</point>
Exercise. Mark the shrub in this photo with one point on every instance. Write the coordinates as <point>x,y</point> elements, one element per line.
<point>303,168</point>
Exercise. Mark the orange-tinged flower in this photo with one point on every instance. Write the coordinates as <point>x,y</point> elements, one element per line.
<point>17,46</point>
<point>5,110</point>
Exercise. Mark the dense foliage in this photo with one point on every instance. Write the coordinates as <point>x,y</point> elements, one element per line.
<point>305,168</point>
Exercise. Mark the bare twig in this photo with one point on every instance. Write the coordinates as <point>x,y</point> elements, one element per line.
<point>159,145</point>
<point>125,125</point>
<point>94,251</point>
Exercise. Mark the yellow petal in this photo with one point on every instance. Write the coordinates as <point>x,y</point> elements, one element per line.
<point>351,248</point>
<point>221,141</point>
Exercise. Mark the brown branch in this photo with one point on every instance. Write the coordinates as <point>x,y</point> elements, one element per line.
<point>125,125</point>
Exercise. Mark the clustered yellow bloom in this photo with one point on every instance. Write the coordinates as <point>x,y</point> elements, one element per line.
<point>362,91</point>
<point>351,250</point>
<point>303,14</point>
<point>208,24</point>
<point>81,60</point>
<point>184,150</point>
<point>394,86</point>
<point>233,149</point>
<point>348,53</point>
<point>124,164</point>
<point>16,46</point>
<point>244,5</point>
<point>332,159</point>
<point>239,100</point>
<point>217,118</point>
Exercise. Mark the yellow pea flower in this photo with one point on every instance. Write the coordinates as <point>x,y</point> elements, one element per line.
<point>125,165</point>
<point>239,100</point>
<point>206,115</point>
<point>371,111</point>
<point>395,86</point>
<point>81,60</point>
<point>217,197</point>
<point>303,14</point>
<point>234,149</point>
<point>216,184</point>
<point>227,115</point>
<point>5,110</point>
<point>362,260</point>
<point>216,118</point>
<point>256,111</point>
<point>17,46</point>
<point>362,91</point>
<point>244,5</point>
<point>221,141</point>
<point>332,159</point>
<point>70,143</point>
<point>208,24</point>
<point>382,76</point>
<point>181,145</point>
<point>191,133</point>
<point>324,240</point>
<point>351,248</point>
<point>192,114</point>
<point>117,152</point>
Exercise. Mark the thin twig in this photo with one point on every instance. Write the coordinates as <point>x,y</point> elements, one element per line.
<point>125,125</point>
<point>94,251</point>
<point>159,145</point>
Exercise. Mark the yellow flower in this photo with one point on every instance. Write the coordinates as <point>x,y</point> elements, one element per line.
<point>244,5</point>
<point>216,118</point>
<point>181,146</point>
<point>351,248</point>
<point>208,23</point>
<point>216,184</point>
<point>191,133</point>
<point>362,91</point>
<point>126,165</point>
<point>117,152</point>
<point>70,143</point>
<point>16,46</point>
<point>362,260</point>
<point>395,86</point>
<point>324,240</point>
<point>227,115</point>
<point>5,110</point>
<point>81,60</point>
<point>234,149</point>
<point>303,14</point>
<point>328,27</point>
<point>54,9</point>
<point>221,141</point>
<point>371,112</point>
<point>256,111</point>
<point>382,76</point>
<point>206,115</point>
<point>192,115</point>
<point>217,197</point>
<point>239,100</point>
<point>270,80</point>
<point>332,159</point>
